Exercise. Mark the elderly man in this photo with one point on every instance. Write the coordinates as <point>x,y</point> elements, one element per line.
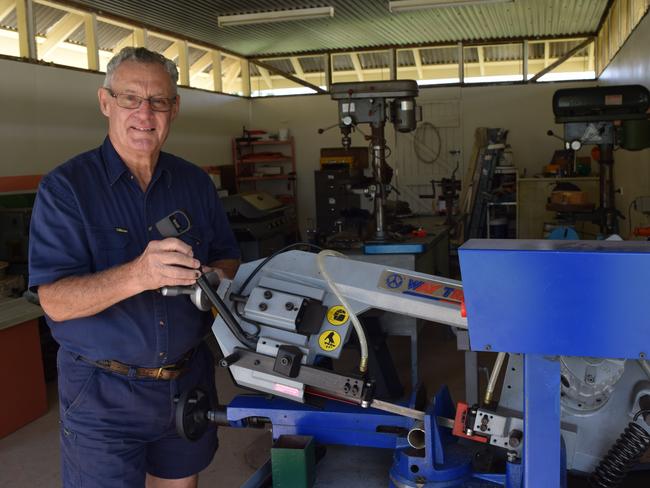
<point>97,259</point>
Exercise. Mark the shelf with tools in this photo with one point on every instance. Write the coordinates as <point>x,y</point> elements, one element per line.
<point>266,165</point>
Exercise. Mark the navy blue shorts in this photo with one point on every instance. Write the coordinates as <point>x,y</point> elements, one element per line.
<point>115,429</point>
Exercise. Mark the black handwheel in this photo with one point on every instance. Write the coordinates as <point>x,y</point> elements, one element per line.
<point>192,414</point>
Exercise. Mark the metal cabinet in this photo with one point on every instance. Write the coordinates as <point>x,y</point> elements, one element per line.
<point>333,199</point>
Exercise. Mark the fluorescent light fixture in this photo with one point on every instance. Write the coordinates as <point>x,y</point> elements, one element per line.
<point>406,5</point>
<point>275,16</point>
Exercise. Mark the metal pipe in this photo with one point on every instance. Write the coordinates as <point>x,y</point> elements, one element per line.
<point>416,437</point>
<point>608,217</point>
<point>379,155</point>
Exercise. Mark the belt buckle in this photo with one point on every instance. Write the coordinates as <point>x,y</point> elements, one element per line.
<point>164,368</point>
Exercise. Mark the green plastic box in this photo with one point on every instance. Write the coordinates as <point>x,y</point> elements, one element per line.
<point>293,462</point>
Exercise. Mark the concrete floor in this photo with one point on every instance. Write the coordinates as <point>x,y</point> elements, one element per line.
<point>29,458</point>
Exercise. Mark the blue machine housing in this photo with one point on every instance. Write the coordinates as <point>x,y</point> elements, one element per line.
<point>574,298</point>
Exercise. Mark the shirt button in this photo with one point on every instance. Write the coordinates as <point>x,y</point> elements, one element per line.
<point>131,176</point>
<point>162,354</point>
<point>150,228</point>
<point>162,323</point>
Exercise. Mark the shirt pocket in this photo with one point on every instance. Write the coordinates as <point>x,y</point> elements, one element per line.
<point>110,246</point>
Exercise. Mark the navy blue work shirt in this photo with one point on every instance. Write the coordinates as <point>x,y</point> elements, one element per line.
<point>90,214</point>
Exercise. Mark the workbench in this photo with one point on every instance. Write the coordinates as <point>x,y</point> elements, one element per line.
<point>21,365</point>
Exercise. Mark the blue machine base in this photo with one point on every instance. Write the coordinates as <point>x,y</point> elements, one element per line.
<point>443,463</point>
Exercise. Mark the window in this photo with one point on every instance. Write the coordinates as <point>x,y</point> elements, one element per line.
<point>542,54</point>
<point>493,63</point>
<point>428,66</point>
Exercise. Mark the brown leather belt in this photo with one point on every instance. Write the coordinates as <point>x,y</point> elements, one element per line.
<point>166,372</point>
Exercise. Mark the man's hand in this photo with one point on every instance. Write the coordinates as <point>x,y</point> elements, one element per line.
<point>169,262</point>
<point>163,263</point>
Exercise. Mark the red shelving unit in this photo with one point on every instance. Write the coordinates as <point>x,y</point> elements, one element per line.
<point>260,168</point>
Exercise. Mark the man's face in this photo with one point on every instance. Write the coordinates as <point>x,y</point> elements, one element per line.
<point>139,132</point>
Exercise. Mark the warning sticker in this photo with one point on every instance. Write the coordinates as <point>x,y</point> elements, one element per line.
<point>337,315</point>
<point>329,340</point>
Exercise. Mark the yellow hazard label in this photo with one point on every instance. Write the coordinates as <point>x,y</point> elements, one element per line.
<point>329,340</point>
<point>337,315</point>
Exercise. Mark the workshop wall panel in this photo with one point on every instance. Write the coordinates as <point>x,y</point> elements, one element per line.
<point>631,168</point>
<point>52,115</point>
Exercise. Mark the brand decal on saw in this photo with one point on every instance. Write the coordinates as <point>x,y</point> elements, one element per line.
<point>419,287</point>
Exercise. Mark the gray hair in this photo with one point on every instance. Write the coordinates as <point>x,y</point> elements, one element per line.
<point>141,55</point>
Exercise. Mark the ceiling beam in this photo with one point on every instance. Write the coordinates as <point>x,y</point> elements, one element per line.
<point>140,37</point>
<point>231,74</point>
<point>126,41</point>
<point>417,56</point>
<point>59,32</point>
<point>217,81</point>
<point>26,29</point>
<point>591,62</point>
<point>524,59</point>
<point>172,51</point>
<point>481,60</point>
<point>183,63</point>
<point>266,76</point>
<point>6,7</point>
<point>297,68</point>
<point>229,62</point>
<point>327,59</point>
<point>201,64</point>
<point>92,47</point>
<point>547,53</point>
<point>245,77</point>
<point>289,76</point>
<point>562,59</point>
<point>357,65</point>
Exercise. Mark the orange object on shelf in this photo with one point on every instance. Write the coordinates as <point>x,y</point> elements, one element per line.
<point>642,231</point>
<point>569,197</point>
<point>595,153</point>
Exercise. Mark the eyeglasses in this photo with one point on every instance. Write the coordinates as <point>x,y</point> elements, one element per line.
<point>130,101</point>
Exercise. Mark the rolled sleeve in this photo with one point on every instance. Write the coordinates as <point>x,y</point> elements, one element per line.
<point>58,246</point>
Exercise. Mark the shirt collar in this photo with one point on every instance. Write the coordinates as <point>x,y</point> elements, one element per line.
<point>115,167</point>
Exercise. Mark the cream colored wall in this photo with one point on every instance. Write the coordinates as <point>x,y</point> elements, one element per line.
<point>524,109</point>
<point>632,168</point>
<point>50,114</point>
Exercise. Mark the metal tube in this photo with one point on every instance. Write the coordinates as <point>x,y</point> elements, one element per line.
<point>608,218</point>
<point>379,148</point>
<point>416,437</point>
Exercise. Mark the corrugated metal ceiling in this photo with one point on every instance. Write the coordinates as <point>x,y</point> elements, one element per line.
<point>358,23</point>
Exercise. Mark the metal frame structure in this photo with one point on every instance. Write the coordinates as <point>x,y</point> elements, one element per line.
<point>234,73</point>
